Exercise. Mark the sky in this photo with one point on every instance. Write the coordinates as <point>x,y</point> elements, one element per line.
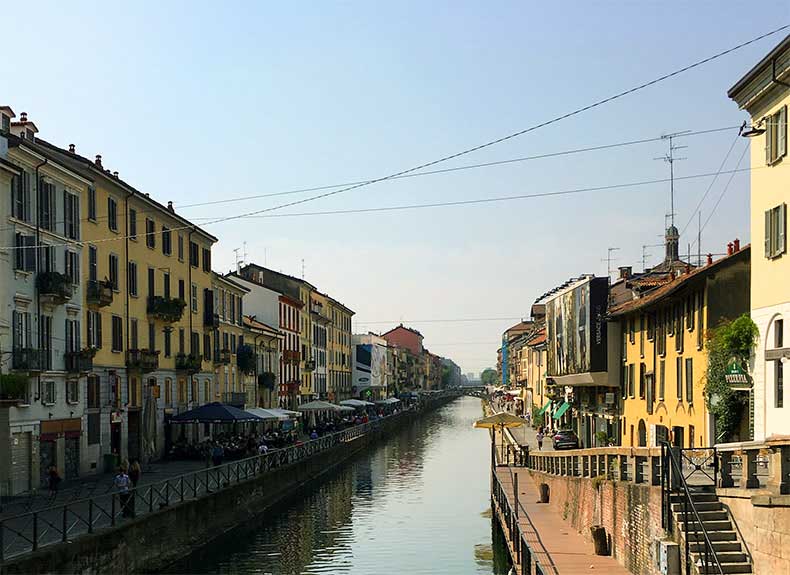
<point>196,102</point>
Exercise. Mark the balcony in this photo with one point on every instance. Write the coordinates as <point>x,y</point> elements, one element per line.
<point>309,365</point>
<point>28,359</point>
<point>166,309</point>
<point>142,360</point>
<point>211,320</point>
<point>266,379</point>
<point>79,361</point>
<point>234,398</point>
<point>222,357</point>
<point>99,293</point>
<point>14,389</point>
<point>188,362</point>
<point>54,287</point>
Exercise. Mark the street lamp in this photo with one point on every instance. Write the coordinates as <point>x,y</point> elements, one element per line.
<point>749,131</point>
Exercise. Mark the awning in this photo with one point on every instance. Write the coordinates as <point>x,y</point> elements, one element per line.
<point>544,408</point>
<point>356,403</point>
<point>388,401</point>
<point>214,413</point>
<point>563,408</point>
<point>267,415</point>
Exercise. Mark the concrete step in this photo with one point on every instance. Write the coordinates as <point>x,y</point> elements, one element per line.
<point>724,525</point>
<point>727,535</point>
<point>701,496</point>
<point>718,546</point>
<point>700,505</point>
<point>715,515</point>
<point>741,567</point>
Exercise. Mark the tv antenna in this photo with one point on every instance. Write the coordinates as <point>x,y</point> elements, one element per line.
<point>609,259</point>
<point>670,159</point>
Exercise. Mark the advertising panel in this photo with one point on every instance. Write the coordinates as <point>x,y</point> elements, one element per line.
<point>370,363</point>
<point>576,328</point>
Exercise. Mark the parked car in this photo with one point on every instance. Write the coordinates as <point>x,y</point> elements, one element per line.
<point>565,439</point>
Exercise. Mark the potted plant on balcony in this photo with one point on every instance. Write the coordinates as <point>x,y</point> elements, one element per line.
<point>169,310</point>
<point>266,379</point>
<point>245,359</point>
<point>55,285</point>
<point>13,387</point>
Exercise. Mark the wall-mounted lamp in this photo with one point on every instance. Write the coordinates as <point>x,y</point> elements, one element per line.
<point>749,131</point>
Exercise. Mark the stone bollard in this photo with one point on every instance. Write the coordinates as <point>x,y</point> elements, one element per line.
<point>544,493</point>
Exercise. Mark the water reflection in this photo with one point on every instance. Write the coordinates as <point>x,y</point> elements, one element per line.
<point>418,503</point>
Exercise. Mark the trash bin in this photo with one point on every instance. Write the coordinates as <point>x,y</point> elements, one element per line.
<point>111,462</point>
<point>544,493</point>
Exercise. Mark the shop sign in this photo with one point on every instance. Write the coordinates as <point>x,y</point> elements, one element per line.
<point>737,377</point>
<point>116,417</point>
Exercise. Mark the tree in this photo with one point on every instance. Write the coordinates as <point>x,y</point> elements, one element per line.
<point>729,342</point>
<point>489,377</point>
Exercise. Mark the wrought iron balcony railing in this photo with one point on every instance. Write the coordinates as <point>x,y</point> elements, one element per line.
<point>99,293</point>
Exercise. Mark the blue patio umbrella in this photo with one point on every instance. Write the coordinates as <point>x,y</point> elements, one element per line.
<point>215,412</point>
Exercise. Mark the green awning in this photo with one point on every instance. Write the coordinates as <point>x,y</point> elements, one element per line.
<point>544,408</point>
<point>563,408</point>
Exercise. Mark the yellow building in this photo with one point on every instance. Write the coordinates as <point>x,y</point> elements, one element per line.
<point>148,273</point>
<point>316,363</point>
<point>266,342</point>
<point>764,92</point>
<point>664,355</point>
<point>536,393</point>
<point>339,351</point>
<point>230,378</point>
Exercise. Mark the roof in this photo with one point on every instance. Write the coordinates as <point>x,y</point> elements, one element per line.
<point>649,280</point>
<point>224,278</point>
<point>281,274</point>
<point>9,166</point>
<point>758,68</point>
<point>673,286</point>
<point>89,169</point>
<point>252,323</point>
<point>538,337</point>
<point>401,326</point>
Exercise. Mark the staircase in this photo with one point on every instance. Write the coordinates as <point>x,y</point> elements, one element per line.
<point>724,540</point>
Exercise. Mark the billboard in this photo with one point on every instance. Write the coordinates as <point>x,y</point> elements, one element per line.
<point>576,328</point>
<point>370,365</point>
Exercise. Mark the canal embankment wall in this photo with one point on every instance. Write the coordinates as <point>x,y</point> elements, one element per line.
<point>158,539</point>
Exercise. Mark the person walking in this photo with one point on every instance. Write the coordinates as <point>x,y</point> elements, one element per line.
<point>122,483</point>
<point>53,480</point>
<point>135,471</point>
<point>539,437</point>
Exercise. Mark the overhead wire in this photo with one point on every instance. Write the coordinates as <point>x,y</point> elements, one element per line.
<point>724,191</point>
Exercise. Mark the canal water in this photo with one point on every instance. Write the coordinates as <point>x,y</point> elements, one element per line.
<point>418,502</point>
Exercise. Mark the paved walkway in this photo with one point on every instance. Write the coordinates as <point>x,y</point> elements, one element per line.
<point>551,538</point>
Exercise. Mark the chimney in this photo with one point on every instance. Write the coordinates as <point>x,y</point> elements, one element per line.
<point>72,149</point>
<point>170,207</point>
<point>98,160</point>
<point>115,173</point>
<point>729,249</point>
<point>625,272</point>
<point>736,245</point>
<point>23,118</point>
<point>710,259</point>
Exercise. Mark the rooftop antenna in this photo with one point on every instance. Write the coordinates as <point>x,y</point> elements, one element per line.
<point>238,261</point>
<point>609,261</point>
<point>699,238</point>
<point>302,268</point>
<point>670,159</point>
<point>244,257</point>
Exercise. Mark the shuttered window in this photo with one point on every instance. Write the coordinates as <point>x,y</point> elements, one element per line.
<point>776,136</point>
<point>776,231</point>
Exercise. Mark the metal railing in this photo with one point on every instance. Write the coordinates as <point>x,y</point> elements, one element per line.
<point>29,531</point>
<point>674,483</point>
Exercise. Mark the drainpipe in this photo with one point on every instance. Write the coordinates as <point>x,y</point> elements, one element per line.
<point>189,298</point>
<point>255,382</point>
<point>126,275</point>
<point>38,266</point>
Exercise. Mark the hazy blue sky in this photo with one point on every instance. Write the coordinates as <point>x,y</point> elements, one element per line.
<point>196,101</point>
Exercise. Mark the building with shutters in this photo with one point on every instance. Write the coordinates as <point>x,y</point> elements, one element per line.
<point>232,367</point>
<point>146,273</point>
<point>339,350</point>
<point>764,92</point>
<point>663,351</point>
<point>42,385</point>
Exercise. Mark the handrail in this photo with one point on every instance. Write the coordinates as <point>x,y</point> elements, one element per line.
<point>688,502</point>
<point>61,521</point>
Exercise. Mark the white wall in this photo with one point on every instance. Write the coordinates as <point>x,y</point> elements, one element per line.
<point>262,302</point>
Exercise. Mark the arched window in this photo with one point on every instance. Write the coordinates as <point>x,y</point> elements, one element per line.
<point>168,392</point>
<point>642,433</point>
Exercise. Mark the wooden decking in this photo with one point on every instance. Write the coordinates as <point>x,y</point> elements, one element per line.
<point>556,545</point>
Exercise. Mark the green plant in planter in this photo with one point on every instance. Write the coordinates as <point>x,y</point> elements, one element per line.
<point>13,386</point>
<point>266,379</point>
<point>601,438</point>
<point>245,359</point>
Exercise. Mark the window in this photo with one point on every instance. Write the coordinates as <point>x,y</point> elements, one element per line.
<point>167,246</point>
<point>166,284</point>
<point>133,334</point>
<point>167,343</point>
<point>151,337</point>
<point>779,337</point>
<point>180,248</point>
<point>114,271</point>
<point>73,267</point>
<point>181,294</point>
<point>150,233</point>
<point>194,298</point>
<point>641,381</point>
<point>206,346</point>
<point>691,311</point>
<point>93,264</point>
<point>182,391</point>
<point>151,282</point>
<point>71,216</point>
<point>232,315</point>
<point>700,327</point>
<point>779,393</point>
<point>168,391</point>
<point>49,393</point>
<point>776,231</point>
<point>20,197</point>
<point>181,338</point>
<point>661,380</point>
<point>233,343</point>
<point>132,279</point>
<point>46,205</point>
<point>94,329</point>
<point>72,335</point>
<point>206,260</point>
<point>776,136</point>
<point>112,214</point>
<point>94,392</point>
<point>92,203</point>
<point>679,376</point>
<point>21,329</point>
<point>631,380</point>
<point>642,335</point>
<point>45,340</point>
<point>117,333</point>
<point>25,253</point>
<point>46,258</point>
<point>194,343</point>
<point>73,391</point>
<point>194,254</point>
<point>94,428</point>
<point>689,381</point>
<point>132,224</point>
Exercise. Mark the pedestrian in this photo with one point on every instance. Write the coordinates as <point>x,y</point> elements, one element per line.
<point>53,479</point>
<point>134,472</point>
<point>539,438</point>
<point>122,483</point>
<point>216,454</point>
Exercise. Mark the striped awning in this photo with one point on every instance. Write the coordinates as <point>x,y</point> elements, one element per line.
<point>544,408</point>
<point>563,408</point>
